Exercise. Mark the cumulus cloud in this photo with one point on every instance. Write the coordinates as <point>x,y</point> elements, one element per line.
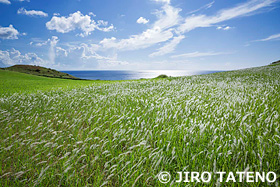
<point>8,32</point>
<point>77,21</point>
<point>5,2</point>
<point>196,21</point>
<point>169,47</point>
<point>272,37</point>
<point>13,56</point>
<point>39,13</point>
<point>39,43</point>
<point>142,20</point>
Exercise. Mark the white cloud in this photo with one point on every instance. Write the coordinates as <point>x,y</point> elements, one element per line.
<point>169,47</point>
<point>52,53</point>
<point>168,17</point>
<point>225,28</point>
<point>142,20</point>
<point>8,32</point>
<point>39,43</point>
<point>143,40</point>
<point>160,31</point>
<point>32,12</point>
<point>163,1</point>
<point>5,2</point>
<point>13,56</point>
<point>272,37</point>
<point>198,54</point>
<point>207,6</point>
<point>83,51</point>
<point>52,42</point>
<point>89,52</point>
<point>77,21</point>
<point>60,50</point>
<point>244,9</point>
<point>86,54</point>
<point>104,23</point>
<point>91,14</point>
<point>96,56</point>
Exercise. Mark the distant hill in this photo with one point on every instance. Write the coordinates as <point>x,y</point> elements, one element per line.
<point>40,71</point>
<point>276,62</point>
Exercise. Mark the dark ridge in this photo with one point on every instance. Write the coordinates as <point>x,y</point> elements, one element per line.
<point>276,62</point>
<point>40,71</point>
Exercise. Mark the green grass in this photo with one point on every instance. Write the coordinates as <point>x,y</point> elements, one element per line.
<point>124,134</point>
<point>14,82</point>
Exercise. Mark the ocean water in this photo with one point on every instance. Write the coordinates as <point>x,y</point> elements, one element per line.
<point>129,75</point>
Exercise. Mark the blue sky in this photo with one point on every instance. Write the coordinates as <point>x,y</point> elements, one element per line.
<point>140,35</point>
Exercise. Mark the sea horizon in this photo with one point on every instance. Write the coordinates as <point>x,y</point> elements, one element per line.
<point>133,74</point>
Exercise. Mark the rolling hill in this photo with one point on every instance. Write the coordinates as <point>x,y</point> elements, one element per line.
<point>40,71</point>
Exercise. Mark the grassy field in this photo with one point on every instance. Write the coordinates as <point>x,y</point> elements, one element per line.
<point>14,82</point>
<point>124,134</point>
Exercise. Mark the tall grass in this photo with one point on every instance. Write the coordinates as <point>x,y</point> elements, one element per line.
<point>124,134</point>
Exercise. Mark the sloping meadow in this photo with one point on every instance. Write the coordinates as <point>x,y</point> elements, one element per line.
<point>125,134</point>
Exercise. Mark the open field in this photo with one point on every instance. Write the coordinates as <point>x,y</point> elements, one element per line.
<point>14,82</point>
<point>124,134</point>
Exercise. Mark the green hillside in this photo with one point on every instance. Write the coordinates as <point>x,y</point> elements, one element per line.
<point>40,71</point>
<point>15,82</point>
